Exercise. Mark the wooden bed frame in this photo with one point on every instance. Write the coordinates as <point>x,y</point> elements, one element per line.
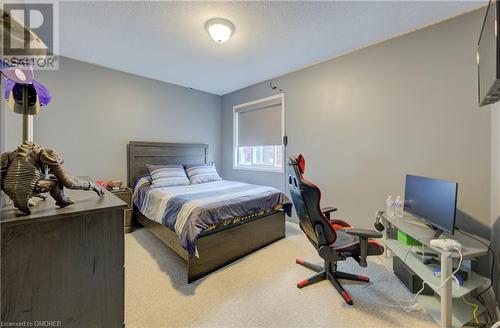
<point>216,248</point>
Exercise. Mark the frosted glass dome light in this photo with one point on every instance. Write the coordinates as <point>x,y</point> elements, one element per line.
<point>220,29</point>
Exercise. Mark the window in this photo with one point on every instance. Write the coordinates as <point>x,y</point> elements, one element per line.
<point>258,135</point>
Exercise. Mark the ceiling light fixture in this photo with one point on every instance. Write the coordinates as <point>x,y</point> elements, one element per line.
<point>219,29</point>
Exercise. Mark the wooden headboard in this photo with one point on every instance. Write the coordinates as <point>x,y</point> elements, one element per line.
<point>140,153</point>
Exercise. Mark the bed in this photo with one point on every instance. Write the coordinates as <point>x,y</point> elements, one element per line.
<point>214,245</point>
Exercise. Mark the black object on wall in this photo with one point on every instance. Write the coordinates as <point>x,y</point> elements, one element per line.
<point>488,57</point>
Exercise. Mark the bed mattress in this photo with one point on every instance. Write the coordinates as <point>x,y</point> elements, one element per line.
<point>193,209</point>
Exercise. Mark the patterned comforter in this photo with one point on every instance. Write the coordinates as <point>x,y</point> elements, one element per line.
<point>190,210</point>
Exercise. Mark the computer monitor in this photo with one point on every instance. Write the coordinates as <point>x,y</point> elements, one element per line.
<point>432,200</point>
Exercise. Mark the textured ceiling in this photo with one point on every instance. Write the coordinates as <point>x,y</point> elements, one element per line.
<point>167,40</point>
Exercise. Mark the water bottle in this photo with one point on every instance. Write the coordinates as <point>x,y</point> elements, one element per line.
<point>389,206</point>
<point>398,205</point>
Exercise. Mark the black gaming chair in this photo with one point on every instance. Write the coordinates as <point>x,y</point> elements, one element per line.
<point>335,240</point>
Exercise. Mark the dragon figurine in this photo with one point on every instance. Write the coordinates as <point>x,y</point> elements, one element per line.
<point>31,171</point>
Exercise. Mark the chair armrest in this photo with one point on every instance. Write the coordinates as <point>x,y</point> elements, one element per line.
<point>364,232</point>
<point>363,235</point>
<point>327,210</point>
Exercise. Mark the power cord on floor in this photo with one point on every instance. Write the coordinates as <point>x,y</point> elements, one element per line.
<point>406,308</point>
<point>475,306</point>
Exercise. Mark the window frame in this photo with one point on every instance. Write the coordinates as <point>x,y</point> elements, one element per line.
<point>236,111</point>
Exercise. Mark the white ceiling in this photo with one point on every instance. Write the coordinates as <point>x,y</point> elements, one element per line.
<point>167,40</point>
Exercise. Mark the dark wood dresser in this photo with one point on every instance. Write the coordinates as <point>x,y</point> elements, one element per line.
<point>64,266</point>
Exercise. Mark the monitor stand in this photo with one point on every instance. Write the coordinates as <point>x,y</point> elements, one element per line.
<point>437,233</point>
<point>417,222</point>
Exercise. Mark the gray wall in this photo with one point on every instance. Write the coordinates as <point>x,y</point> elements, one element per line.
<point>365,119</point>
<point>95,111</point>
<point>495,188</point>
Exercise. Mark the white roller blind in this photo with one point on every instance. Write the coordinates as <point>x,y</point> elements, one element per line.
<point>260,125</point>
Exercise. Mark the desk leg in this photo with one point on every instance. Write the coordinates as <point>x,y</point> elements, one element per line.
<point>446,300</point>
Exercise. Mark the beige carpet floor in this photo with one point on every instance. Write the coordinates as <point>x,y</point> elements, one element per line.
<point>257,291</point>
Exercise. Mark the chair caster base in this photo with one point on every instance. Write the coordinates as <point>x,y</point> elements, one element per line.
<point>323,273</point>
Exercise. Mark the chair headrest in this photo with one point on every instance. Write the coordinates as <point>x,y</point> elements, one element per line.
<point>299,161</point>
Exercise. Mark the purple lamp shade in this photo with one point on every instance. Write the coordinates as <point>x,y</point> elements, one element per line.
<point>19,74</point>
<point>18,79</point>
<point>38,95</point>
